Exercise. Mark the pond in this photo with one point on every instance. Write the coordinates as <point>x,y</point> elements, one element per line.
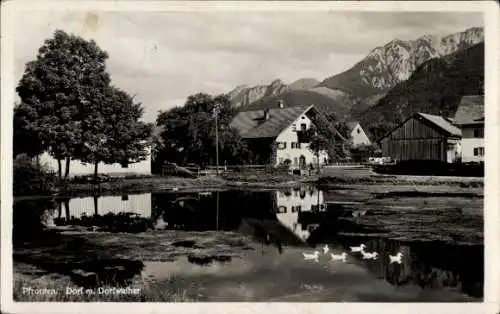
<point>242,245</point>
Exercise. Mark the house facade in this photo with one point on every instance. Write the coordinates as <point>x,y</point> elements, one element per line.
<point>78,168</point>
<point>357,135</point>
<point>423,137</point>
<point>470,119</point>
<point>279,135</point>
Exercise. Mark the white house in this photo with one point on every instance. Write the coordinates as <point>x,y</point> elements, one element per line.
<point>279,135</point>
<point>290,203</point>
<point>357,135</point>
<point>469,117</point>
<point>77,168</point>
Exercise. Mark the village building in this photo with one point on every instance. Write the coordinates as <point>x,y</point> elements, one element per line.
<point>469,117</point>
<point>279,135</point>
<point>357,135</point>
<point>423,137</point>
<point>78,168</point>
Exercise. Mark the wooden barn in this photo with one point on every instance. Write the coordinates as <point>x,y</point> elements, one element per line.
<point>423,137</point>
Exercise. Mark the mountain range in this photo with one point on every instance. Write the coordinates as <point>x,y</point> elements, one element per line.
<point>374,84</point>
<point>435,87</point>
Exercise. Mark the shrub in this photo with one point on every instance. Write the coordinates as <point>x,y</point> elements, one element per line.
<point>32,178</point>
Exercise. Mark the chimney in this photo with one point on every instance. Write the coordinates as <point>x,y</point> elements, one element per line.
<point>280,104</point>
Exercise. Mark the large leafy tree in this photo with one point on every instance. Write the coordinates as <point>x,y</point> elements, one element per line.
<point>26,140</point>
<point>188,133</point>
<point>112,131</point>
<point>68,76</point>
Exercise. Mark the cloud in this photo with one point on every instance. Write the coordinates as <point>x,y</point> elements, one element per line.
<point>165,56</point>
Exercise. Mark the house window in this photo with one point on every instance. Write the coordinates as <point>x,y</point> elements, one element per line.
<point>358,130</point>
<point>297,145</point>
<point>293,145</point>
<point>479,132</point>
<point>479,151</point>
<point>281,145</point>
<point>294,127</point>
<point>303,126</point>
<point>295,160</point>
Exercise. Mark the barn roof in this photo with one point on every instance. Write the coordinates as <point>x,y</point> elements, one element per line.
<point>250,124</point>
<point>470,110</point>
<point>442,123</point>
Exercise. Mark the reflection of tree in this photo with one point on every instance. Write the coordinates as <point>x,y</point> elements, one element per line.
<point>421,267</point>
<point>66,208</point>
<point>96,206</point>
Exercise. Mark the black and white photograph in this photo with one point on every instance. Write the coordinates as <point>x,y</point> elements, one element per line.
<point>276,152</point>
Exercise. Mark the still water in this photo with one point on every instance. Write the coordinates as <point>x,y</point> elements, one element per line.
<point>281,225</point>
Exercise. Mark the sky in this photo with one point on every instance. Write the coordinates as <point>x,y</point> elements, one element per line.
<point>163,57</point>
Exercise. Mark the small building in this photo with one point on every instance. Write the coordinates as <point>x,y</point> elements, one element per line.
<point>357,135</point>
<point>423,137</point>
<point>470,119</point>
<point>78,168</point>
<point>279,135</point>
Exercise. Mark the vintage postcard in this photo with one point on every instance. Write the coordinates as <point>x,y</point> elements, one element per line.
<point>242,157</point>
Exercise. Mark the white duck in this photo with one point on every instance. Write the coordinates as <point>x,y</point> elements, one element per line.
<point>313,256</point>
<point>360,248</point>
<point>326,249</point>
<point>367,255</point>
<point>339,257</point>
<point>396,258</point>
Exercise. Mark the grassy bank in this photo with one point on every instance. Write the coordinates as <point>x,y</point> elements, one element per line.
<point>462,182</point>
<point>164,183</point>
<point>256,179</point>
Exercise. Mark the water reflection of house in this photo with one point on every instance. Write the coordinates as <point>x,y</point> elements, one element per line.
<point>77,207</point>
<point>289,203</point>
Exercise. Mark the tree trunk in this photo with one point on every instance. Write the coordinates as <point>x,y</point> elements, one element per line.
<point>317,157</point>
<point>96,164</point>
<point>66,170</point>
<point>59,168</point>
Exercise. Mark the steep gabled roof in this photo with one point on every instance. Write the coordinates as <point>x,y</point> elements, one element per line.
<point>470,110</point>
<point>250,124</point>
<point>442,123</point>
<point>351,125</point>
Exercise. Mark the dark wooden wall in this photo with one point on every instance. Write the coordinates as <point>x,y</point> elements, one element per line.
<point>415,140</point>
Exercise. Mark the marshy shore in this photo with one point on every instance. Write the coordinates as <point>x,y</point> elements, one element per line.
<point>258,180</point>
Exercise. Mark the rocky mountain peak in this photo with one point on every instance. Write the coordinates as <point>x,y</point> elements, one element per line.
<point>394,62</point>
